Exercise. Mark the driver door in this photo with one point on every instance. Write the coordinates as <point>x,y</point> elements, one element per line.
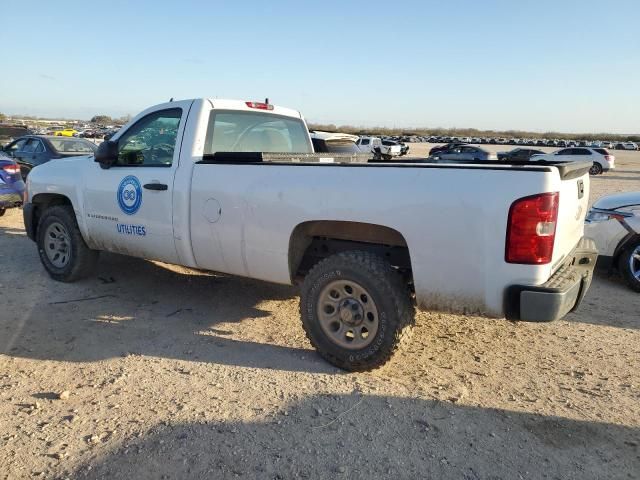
<point>129,206</point>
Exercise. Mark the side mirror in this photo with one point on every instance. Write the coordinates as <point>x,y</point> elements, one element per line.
<point>107,154</point>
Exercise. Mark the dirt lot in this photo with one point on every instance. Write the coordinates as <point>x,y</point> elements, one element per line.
<point>166,373</point>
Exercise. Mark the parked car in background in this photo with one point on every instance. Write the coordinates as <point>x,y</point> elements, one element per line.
<point>465,153</point>
<point>602,160</point>
<point>107,134</point>
<point>331,142</point>
<point>11,184</point>
<point>442,148</point>
<point>10,132</point>
<point>33,150</point>
<point>67,132</point>
<point>404,148</point>
<point>379,150</point>
<point>628,146</point>
<point>614,223</point>
<point>521,154</point>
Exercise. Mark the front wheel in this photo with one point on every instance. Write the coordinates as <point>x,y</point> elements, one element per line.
<point>596,169</point>
<point>63,251</point>
<point>629,265</point>
<point>356,310</point>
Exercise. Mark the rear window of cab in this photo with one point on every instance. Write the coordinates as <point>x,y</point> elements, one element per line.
<point>237,131</point>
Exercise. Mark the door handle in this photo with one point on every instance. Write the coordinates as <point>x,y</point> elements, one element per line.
<point>156,186</point>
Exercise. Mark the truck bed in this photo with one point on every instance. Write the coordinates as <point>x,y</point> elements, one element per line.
<point>567,170</point>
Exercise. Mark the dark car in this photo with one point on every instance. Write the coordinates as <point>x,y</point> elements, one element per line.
<point>33,150</point>
<point>11,184</point>
<point>465,153</point>
<point>448,146</point>
<point>521,154</point>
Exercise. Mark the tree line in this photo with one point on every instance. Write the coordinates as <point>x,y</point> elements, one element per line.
<point>471,132</point>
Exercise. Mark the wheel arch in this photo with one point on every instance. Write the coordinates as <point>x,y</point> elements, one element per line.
<point>40,202</point>
<point>311,241</point>
<point>632,237</point>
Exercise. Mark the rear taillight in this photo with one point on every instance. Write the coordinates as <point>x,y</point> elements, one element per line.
<point>609,158</point>
<point>531,229</point>
<point>11,169</point>
<point>259,105</point>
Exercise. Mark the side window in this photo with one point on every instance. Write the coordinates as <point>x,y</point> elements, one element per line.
<point>582,151</point>
<point>566,151</point>
<point>31,146</point>
<point>39,147</point>
<point>364,141</point>
<point>17,146</point>
<point>151,141</point>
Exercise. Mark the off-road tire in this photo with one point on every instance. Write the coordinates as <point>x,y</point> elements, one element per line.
<point>625,268</point>
<point>596,169</point>
<point>396,313</point>
<point>82,261</point>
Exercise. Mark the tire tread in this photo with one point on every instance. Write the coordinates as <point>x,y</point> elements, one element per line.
<point>86,258</point>
<point>389,281</point>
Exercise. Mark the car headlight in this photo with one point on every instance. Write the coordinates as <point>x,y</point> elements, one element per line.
<point>596,216</point>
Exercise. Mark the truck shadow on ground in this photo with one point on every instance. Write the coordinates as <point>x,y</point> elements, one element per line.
<point>133,306</point>
<point>355,436</point>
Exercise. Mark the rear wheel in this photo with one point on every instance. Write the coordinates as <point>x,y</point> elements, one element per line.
<point>629,265</point>
<point>596,169</point>
<point>63,251</point>
<point>356,310</point>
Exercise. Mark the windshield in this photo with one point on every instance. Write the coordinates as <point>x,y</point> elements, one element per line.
<point>68,145</point>
<point>235,131</point>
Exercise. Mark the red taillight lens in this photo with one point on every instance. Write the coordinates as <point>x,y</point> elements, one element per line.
<point>608,158</point>
<point>531,229</point>
<point>11,169</point>
<point>259,105</point>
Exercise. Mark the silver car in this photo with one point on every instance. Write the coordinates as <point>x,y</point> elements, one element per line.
<point>614,224</point>
<point>466,153</point>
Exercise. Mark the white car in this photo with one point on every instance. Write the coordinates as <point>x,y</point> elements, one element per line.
<point>629,146</point>
<point>376,146</point>
<point>614,224</point>
<point>235,187</point>
<point>334,142</point>
<point>602,160</point>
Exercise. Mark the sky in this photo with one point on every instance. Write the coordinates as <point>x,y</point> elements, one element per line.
<point>563,65</point>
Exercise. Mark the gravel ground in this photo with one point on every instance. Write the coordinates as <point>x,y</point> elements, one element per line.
<point>150,371</point>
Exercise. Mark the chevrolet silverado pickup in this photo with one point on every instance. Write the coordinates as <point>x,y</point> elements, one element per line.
<point>235,187</point>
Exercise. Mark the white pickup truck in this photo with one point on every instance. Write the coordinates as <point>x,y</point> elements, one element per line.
<point>189,183</point>
<point>381,150</point>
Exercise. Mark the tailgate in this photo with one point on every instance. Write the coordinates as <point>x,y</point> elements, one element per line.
<point>574,202</point>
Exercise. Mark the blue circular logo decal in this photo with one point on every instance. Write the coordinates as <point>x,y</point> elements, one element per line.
<point>129,195</point>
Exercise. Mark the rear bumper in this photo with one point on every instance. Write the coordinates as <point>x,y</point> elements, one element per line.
<point>559,295</point>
